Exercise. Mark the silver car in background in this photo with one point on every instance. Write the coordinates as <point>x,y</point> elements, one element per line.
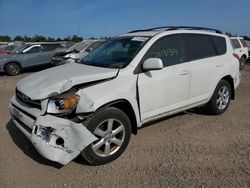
<point>27,56</point>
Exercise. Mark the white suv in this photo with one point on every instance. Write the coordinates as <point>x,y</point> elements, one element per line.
<point>92,107</point>
<point>240,49</point>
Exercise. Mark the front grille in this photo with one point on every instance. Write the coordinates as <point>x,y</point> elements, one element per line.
<point>27,100</point>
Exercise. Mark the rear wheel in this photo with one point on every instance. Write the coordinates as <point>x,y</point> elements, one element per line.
<point>12,69</point>
<point>220,100</point>
<point>113,129</point>
<point>242,63</point>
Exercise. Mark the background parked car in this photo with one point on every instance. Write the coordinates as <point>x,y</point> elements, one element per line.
<point>76,52</point>
<point>8,49</point>
<point>26,56</point>
<point>240,48</point>
<point>248,46</point>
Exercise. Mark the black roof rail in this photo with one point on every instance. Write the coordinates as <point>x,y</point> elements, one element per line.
<point>169,28</point>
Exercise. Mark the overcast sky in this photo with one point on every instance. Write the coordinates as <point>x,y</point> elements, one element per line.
<point>60,18</point>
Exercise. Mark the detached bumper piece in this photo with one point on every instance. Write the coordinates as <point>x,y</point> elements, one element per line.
<point>56,139</point>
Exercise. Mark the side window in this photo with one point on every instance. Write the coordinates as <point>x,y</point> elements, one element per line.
<point>244,44</point>
<point>235,43</point>
<point>35,49</point>
<point>220,44</point>
<point>199,46</point>
<point>169,49</point>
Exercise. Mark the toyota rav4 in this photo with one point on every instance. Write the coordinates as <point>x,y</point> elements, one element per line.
<point>92,107</point>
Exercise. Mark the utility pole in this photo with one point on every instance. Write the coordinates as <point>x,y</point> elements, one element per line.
<point>78,30</point>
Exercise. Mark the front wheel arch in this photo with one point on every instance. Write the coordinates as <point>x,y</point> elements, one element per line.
<point>127,108</point>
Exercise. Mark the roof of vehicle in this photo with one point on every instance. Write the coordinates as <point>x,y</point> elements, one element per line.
<point>236,38</point>
<point>153,31</point>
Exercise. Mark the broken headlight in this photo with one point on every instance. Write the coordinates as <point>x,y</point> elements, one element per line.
<point>62,105</point>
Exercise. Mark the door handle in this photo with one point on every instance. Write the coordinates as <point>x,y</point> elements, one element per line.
<point>184,72</point>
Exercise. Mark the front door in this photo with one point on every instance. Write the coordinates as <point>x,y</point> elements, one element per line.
<point>165,90</point>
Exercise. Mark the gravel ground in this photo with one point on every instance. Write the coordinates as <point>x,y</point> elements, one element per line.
<point>191,149</point>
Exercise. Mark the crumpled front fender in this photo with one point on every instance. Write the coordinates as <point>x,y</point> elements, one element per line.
<point>58,139</point>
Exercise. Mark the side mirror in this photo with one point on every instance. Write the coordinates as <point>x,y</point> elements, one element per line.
<point>152,64</point>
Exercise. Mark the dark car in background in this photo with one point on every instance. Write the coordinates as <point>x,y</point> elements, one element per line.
<point>27,56</point>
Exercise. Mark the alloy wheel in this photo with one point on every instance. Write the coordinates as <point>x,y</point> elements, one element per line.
<point>222,98</point>
<point>110,134</point>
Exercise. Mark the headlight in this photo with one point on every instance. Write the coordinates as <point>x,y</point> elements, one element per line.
<point>63,104</point>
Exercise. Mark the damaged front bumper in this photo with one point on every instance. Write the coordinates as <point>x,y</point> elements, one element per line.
<point>55,138</point>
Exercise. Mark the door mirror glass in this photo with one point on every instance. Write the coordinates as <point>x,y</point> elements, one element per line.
<point>152,64</point>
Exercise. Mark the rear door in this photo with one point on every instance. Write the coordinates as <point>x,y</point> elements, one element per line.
<point>165,90</point>
<point>205,54</point>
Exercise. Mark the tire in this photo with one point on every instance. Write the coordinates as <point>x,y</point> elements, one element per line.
<point>112,127</point>
<point>242,63</point>
<point>12,69</point>
<point>220,100</point>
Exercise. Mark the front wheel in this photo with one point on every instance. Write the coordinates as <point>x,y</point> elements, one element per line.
<point>220,100</point>
<point>112,127</point>
<point>12,69</point>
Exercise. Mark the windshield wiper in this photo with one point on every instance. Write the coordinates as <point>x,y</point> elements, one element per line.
<point>116,65</point>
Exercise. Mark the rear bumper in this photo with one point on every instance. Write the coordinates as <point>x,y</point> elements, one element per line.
<point>55,138</point>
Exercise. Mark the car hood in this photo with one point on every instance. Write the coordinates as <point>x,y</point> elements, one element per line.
<point>59,79</point>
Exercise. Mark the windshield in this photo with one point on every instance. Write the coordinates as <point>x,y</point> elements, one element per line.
<point>116,52</point>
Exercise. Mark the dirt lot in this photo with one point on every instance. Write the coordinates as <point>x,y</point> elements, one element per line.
<point>191,149</point>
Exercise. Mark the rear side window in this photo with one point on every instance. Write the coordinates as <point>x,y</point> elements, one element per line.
<point>244,44</point>
<point>169,49</point>
<point>199,46</point>
<point>235,43</point>
<point>220,44</point>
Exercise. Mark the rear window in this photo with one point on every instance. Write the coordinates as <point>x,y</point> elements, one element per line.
<point>243,42</point>
<point>220,44</point>
<point>199,46</point>
<point>235,43</point>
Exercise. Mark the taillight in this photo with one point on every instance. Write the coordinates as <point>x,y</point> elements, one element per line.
<point>236,56</point>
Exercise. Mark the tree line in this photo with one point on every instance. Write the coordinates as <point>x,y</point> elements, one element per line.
<point>40,38</point>
<point>73,38</point>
